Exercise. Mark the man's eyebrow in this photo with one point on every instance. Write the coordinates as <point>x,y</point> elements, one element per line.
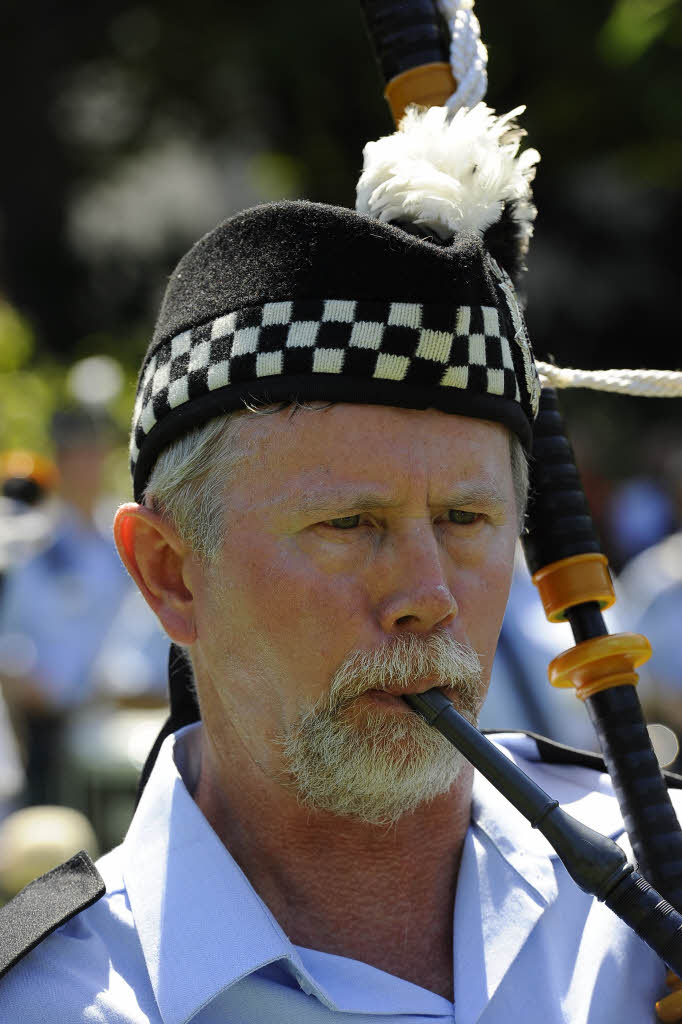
<point>349,501</point>
<point>487,494</point>
<point>484,495</point>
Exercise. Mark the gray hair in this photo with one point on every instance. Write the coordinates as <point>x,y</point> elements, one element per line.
<point>188,482</point>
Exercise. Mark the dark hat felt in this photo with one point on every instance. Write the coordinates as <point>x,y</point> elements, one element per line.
<point>298,300</point>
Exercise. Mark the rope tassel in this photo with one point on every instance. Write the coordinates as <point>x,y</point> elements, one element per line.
<point>643,383</point>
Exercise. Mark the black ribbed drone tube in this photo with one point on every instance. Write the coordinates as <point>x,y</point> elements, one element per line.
<point>560,526</point>
<point>405,34</point>
<point>649,816</point>
<point>586,621</point>
<point>594,862</point>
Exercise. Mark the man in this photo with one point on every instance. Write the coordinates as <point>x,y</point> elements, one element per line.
<point>58,604</point>
<point>310,850</point>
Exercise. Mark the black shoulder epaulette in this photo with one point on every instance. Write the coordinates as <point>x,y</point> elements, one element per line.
<point>561,753</point>
<point>46,904</point>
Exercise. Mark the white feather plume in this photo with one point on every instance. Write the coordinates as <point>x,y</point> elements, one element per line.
<point>449,174</point>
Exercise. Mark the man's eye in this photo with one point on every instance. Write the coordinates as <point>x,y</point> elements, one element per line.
<point>462,518</point>
<point>344,522</point>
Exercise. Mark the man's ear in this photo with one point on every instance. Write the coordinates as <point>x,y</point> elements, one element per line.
<point>156,558</point>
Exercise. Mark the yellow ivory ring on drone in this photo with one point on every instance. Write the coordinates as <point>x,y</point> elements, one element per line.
<point>428,85</point>
<point>572,581</point>
<point>600,663</point>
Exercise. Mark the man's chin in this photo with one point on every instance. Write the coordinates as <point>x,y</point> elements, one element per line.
<point>372,759</point>
<point>390,736</point>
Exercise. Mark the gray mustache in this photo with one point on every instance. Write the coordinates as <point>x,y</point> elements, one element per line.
<point>396,665</point>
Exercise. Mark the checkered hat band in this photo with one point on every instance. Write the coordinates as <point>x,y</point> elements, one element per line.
<point>413,345</point>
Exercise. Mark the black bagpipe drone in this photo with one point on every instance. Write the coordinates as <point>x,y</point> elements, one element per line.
<point>411,42</point>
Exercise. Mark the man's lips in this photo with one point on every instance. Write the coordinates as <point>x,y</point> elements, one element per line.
<point>418,686</point>
<point>392,694</point>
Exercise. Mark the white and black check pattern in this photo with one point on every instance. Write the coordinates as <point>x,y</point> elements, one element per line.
<point>420,345</point>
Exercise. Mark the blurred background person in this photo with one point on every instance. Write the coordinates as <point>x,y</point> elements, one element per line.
<point>27,481</point>
<point>131,665</point>
<point>651,584</point>
<point>641,512</point>
<point>58,604</point>
<point>12,779</point>
<point>107,740</point>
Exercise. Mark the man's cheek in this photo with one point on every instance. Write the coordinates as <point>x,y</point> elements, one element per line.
<point>300,589</point>
<point>482,601</point>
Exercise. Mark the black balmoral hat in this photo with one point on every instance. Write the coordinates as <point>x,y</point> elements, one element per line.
<point>299,300</point>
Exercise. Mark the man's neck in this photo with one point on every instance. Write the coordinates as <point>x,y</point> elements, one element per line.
<point>382,895</point>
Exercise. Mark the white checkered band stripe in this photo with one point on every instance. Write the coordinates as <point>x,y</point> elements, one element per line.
<point>222,326</point>
<point>342,310</point>
<point>491,321</point>
<point>420,345</point>
<point>182,342</point>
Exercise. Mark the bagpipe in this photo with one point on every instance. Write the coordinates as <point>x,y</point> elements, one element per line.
<point>427,59</point>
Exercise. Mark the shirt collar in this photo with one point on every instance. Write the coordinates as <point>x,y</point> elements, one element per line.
<point>201,925</point>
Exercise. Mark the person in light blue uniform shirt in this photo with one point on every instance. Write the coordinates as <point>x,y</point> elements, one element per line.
<point>182,934</point>
<point>329,476</point>
<point>57,605</point>
<point>57,609</point>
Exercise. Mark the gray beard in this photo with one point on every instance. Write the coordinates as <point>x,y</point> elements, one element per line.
<point>372,765</point>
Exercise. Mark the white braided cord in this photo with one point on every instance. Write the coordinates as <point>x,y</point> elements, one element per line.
<point>645,383</point>
<point>468,55</point>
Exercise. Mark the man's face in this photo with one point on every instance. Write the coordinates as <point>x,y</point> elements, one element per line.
<point>352,531</point>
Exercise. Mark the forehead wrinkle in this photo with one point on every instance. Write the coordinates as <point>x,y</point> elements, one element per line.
<point>356,499</point>
<point>349,498</point>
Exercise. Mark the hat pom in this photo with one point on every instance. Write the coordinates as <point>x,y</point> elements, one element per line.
<point>446,175</point>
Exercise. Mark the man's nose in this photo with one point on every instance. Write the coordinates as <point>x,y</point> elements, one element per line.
<point>415,594</point>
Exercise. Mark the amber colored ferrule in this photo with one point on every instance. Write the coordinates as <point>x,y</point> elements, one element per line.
<point>669,1009</point>
<point>428,85</point>
<point>572,581</point>
<point>600,663</point>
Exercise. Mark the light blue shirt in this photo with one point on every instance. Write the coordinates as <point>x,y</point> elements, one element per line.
<point>182,936</point>
<point>57,608</point>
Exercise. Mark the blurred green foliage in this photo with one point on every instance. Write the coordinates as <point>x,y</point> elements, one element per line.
<point>30,387</point>
<point>633,26</point>
<point>34,384</point>
<point>16,339</point>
